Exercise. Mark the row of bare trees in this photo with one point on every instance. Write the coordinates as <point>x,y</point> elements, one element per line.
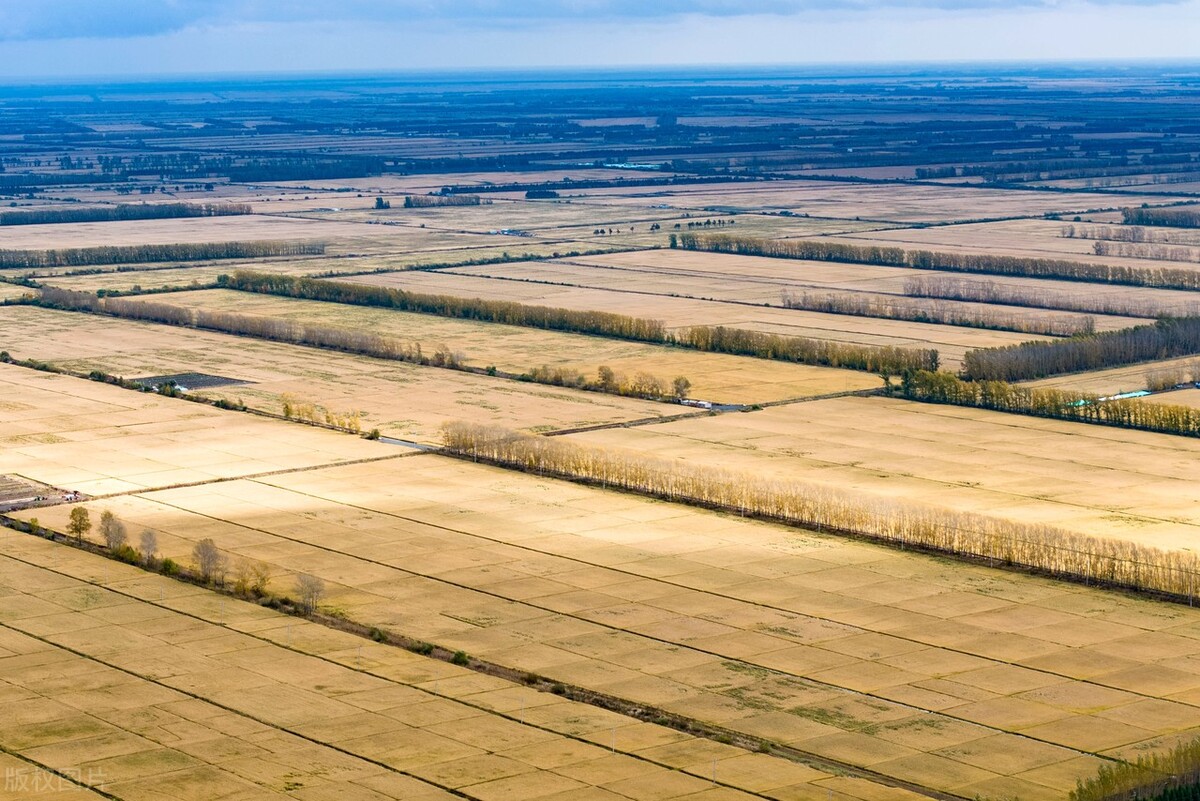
<point>433,201</point>
<point>872,359</point>
<point>1134,250</point>
<point>210,564</point>
<point>819,250</point>
<point>1044,548</point>
<point>717,339</point>
<point>122,211</point>
<point>1175,218</point>
<point>1168,338</point>
<point>943,312</point>
<point>497,311</point>
<point>350,340</point>
<point>641,385</point>
<point>1130,233</point>
<point>942,387</point>
<point>984,291</point>
<point>140,254</point>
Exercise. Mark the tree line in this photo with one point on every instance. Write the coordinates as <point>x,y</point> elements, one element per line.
<point>1065,269</point>
<point>122,211</point>
<point>1129,233</point>
<point>802,350</point>
<point>1044,548</point>
<point>955,288</point>
<point>433,201</point>
<point>716,339</point>
<point>1167,338</point>
<point>943,387</point>
<point>1174,218</point>
<point>942,312</point>
<point>355,341</point>
<point>606,324</point>
<point>140,254</point>
<point>1172,775</point>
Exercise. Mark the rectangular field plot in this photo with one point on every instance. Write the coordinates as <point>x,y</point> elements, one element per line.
<point>401,399</point>
<point>1097,480</point>
<point>959,678</point>
<point>749,279</point>
<point>515,349</point>
<point>950,341</point>
<point>868,202</point>
<point>1039,239</point>
<point>97,439</point>
<point>121,675</point>
<point>758,279</point>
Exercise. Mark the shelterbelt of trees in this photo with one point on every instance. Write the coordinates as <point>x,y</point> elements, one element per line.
<point>1165,339</point>
<point>942,387</point>
<point>140,254</point>
<point>1044,548</point>
<point>1175,218</point>
<point>1064,269</point>
<point>122,211</point>
<point>716,339</point>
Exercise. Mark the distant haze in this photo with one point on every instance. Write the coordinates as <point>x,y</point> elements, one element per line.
<point>78,38</point>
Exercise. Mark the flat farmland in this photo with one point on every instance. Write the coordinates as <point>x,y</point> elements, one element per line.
<point>1096,480</point>
<point>950,341</point>
<point>744,279</point>
<point>515,349</point>
<point>1129,378</point>
<point>402,400</point>
<point>871,202</point>
<point>164,232</point>
<point>761,279</point>
<point>1028,238</point>
<point>170,683</point>
<point>82,435</point>
<point>959,678</point>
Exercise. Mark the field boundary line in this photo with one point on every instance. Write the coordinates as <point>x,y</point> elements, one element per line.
<point>671,643</point>
<point>578,694</point>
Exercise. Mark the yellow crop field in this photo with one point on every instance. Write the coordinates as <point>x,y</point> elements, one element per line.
<point>97,439</point>
<point>175,684</point>
<point>1101,481</point>
<point>950,341</point>
<point>959,678</point>
<point>515,349</point>
<point>402,400</point>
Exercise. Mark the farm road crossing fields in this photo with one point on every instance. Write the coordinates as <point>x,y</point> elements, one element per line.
<point>954,676</point>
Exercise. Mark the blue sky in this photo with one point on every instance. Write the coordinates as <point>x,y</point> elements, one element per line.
<point>77,38</point>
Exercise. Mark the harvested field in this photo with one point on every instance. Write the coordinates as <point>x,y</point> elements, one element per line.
<point>1125,379</point>
<point>741,279</point>
<point>162,232</point>
<point>950,341</point>
<point>227,695</point>
<point>760,279</point>
<point>869,202</point>
<point>1102,481</point>
<point>1038,239</point>
<point>98,439</point>
<point>514,349</point>
<point>961,678</point>
<point>402,400</point>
